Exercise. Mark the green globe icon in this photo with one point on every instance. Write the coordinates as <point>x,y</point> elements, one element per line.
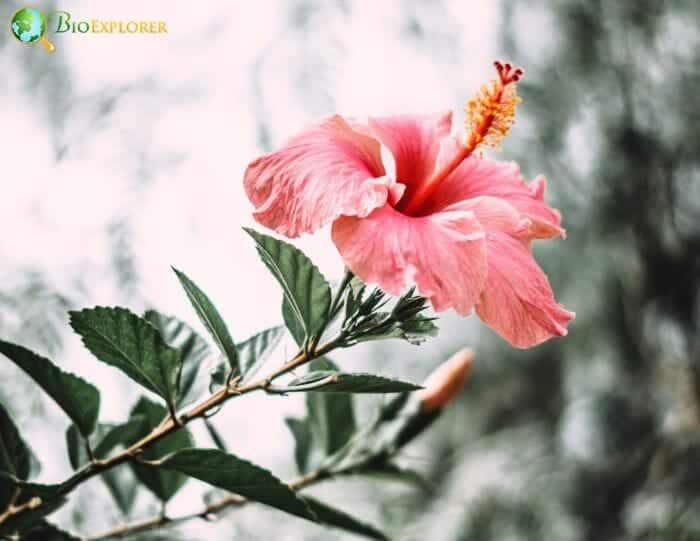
<point>29,26</point>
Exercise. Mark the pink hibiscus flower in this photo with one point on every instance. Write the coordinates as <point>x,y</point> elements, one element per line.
<point>458,225</point>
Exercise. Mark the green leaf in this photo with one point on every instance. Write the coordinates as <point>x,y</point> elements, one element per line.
<point>255,350</point>
<point>47,532</point>
<point>331,516</point>
<point>354,298</point>
<point>306,290</point>
<point>14,453</point>
<point>341,382</point>
<point>302,438</point>
<point>78,398</point>
<point>332,420</point>
<point>105,438</point>
<point>211,319</point>
<point>331,416</point>
<point>119,434</point>
<point>75,442</point>
<point>234,474</point>
<point>14,457</point>
<point>128,342</point>
<point>164,484</point>
<point>194,352</point>
<point>123,487</point>
<point>252,354</point>
<point>294,325</point>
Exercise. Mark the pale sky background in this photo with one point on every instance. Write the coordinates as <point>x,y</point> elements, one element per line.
<point>153,133</point>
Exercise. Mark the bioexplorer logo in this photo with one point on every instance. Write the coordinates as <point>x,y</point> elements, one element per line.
<point>29,26</point>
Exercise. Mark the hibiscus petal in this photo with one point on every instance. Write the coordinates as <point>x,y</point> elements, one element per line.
<point>444,254</point>
<point>485,177</point>
<point>325,172</point>
<point>414,142</point>
<point>518,302</point>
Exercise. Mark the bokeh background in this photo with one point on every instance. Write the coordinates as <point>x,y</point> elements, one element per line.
<point>124,155</point>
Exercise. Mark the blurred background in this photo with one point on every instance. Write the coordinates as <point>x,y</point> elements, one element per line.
<point>124,155</point>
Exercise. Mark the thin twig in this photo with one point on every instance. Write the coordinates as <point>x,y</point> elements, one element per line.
<point>12,509</point>
<point>10,505</point>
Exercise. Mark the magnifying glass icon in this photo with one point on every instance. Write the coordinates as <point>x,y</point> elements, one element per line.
<point>28,25</point>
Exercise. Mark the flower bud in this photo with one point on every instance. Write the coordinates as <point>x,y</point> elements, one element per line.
<point>446,381</point>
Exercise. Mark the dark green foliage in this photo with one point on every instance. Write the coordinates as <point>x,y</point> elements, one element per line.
<point>14,457</point>
<point>234,474</point>
<point>212,320</point>
<point>329,425</point>
<point>75,443</point>
<point>331,416</point>
<point>294,325</point>
<point>331,420</point>
<point>122,339</point>
<point>120,482</point>
<point>163,484</point>
<point>252,354</point>
<point>254,351</point>
<point>365,320</point>
<point>123,486</point>
<point>193,352</point>
<point>114,435</point>
<point>104,439</point>
<point>307,293</point>
<point>78,398</point>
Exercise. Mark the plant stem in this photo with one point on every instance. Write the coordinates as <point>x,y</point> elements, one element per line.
<point>222,504</point>
<point>171,424</point>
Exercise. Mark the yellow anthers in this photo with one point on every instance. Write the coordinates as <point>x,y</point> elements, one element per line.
<point>491,113</point>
